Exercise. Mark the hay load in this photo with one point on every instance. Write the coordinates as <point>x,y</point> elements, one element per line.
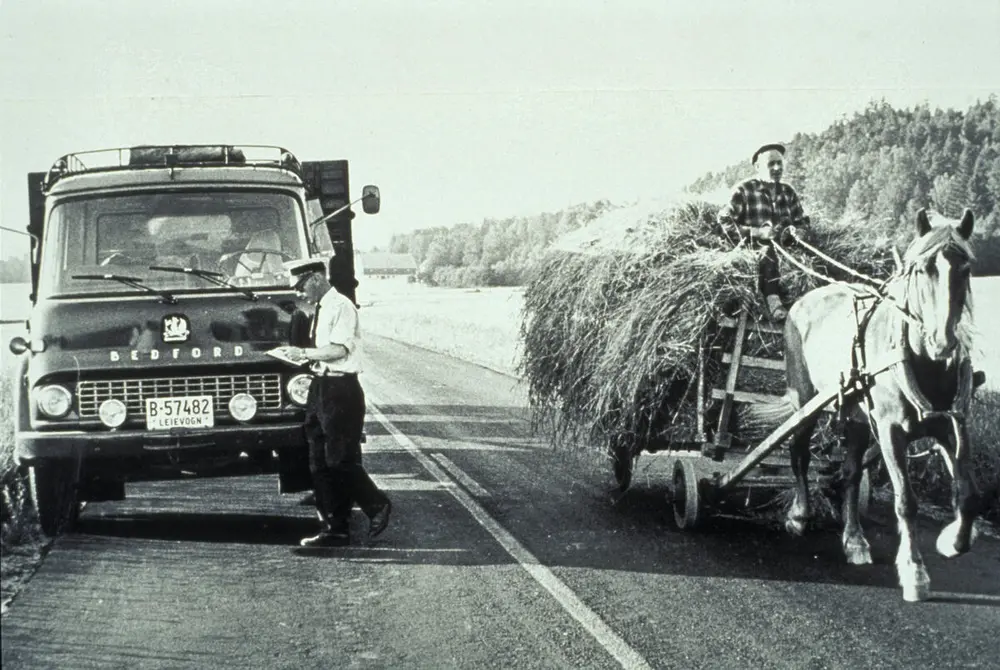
<point>615,315</point>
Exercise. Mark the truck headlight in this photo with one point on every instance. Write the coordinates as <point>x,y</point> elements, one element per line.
<point>298,389</point>
<point>54,401</point>
<point>242,406</point>
<point>112,412</point>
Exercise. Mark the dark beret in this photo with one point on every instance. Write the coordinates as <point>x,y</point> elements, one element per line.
<point>780,148</point>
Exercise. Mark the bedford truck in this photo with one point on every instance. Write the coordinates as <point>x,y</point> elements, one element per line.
<point>157,286</point>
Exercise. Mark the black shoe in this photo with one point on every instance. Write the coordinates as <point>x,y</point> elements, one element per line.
<point>326,538</point>
<point>380,520</point>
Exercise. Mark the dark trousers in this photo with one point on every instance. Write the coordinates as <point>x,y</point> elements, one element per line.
<point>768,274</point>
<point>335,420</point>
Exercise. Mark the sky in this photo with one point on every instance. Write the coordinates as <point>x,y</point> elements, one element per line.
<point>462,111</point>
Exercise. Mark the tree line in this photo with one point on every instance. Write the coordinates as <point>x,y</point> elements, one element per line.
<point>880,165</point>
<point>15,270</point>
<point>496,252</point>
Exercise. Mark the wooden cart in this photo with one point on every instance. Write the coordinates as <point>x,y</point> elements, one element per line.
<point>736,466</point>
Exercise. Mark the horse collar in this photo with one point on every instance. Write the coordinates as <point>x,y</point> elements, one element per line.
<point>907,381</point>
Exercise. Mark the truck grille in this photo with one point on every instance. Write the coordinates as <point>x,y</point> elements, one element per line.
<point>266,388</point>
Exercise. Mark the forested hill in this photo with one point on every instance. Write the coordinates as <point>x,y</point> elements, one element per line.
<point>882,165</point>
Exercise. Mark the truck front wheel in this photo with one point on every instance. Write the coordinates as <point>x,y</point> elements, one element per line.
<point>55,495</point>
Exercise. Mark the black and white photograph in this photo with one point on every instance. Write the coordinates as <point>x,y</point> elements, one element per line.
<point>480,334</point>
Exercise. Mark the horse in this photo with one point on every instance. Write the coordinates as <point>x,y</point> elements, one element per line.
<point>914,380</point>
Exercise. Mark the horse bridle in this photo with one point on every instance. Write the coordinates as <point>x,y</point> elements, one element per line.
<point>903,371</point>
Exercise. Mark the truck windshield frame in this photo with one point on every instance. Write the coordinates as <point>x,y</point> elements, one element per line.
<point>244,235</point>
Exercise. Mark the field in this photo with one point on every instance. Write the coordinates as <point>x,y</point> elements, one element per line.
<point>476,325</point>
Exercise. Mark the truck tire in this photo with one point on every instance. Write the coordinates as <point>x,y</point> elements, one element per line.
<point>55,496</point>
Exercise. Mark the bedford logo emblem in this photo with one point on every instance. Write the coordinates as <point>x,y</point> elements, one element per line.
<point>176,328</point>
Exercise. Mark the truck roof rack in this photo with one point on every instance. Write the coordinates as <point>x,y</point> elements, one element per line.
<point>176,155</point>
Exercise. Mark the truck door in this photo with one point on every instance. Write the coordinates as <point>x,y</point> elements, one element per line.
<point>328,182</point>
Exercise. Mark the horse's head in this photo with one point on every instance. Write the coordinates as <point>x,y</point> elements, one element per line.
<point>937,266</point>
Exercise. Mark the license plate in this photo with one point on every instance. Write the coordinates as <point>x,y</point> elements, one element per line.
<point>185,412</point>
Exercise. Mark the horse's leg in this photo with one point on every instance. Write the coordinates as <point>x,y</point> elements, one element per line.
<point>957,537</point>
<point>798,513</point>
<point>913,575</point>
<point>856,548</point>
<point>801,388</point>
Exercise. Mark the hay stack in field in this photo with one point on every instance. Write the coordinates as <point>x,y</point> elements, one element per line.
<point>615,313</point>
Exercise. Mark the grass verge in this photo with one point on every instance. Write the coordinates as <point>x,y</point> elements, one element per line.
<point>17,523</point>
<point>21,539</point>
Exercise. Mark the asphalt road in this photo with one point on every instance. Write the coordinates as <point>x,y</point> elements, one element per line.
<point>502,553</point>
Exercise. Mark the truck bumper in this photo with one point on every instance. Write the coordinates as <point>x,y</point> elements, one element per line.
<point>32,446</point>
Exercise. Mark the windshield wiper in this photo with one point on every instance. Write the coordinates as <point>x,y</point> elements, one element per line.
<point>135,282</point>
<point>214,277</point>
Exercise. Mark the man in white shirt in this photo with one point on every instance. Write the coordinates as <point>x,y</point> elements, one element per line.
<point>335,409</point>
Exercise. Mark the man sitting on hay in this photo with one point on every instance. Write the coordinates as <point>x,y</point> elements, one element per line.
<point>760,211</point>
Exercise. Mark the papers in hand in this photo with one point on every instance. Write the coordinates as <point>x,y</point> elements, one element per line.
<point>285,354</point>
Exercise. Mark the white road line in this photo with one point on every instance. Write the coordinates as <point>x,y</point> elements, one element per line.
<point>465,480</point>
<point>622,652</point>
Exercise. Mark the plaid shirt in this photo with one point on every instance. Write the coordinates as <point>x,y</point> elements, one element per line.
<point>755,202</point>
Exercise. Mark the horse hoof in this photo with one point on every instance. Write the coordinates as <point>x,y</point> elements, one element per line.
<point>858,554</point>
<point>915,581</point>
<point>796,527</point>
<point>948,544</point>
<point>915,593</point>
<point>946,547</point>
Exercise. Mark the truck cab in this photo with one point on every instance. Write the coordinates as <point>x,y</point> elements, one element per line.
<point>158,287</point>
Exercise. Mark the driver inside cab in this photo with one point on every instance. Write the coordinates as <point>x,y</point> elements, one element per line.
<point>256,246</point>
<point>255,259</point>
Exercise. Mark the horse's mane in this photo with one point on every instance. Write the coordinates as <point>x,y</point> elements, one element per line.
<point>938,238</point>
<point>945,238</point>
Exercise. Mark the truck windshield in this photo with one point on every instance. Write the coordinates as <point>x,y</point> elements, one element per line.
<point>244,235</point>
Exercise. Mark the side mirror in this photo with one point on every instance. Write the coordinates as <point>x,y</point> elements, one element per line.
<point>370,199</point>
<point>19,345</point>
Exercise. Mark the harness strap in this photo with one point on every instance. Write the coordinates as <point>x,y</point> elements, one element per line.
<point>832,261</point>
<point>897,360</point>
<point>880,293</point>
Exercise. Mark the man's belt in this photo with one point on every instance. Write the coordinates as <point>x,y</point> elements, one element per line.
<point>333,375</point>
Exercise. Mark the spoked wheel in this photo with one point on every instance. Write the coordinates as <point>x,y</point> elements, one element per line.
<point>688,503</point>
<point>622,462</point>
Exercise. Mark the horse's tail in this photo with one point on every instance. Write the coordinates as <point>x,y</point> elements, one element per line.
<point>763,417</point>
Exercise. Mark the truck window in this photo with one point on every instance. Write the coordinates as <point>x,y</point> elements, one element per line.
<point>244,235</point>
<point>320,233</point>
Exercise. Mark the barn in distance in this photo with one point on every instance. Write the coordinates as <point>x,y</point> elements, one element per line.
<point>386,266</point>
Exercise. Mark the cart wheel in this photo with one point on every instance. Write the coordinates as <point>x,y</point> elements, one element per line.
<point>689,507</point>
<point>622,462</point>
<point>865,492</point>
